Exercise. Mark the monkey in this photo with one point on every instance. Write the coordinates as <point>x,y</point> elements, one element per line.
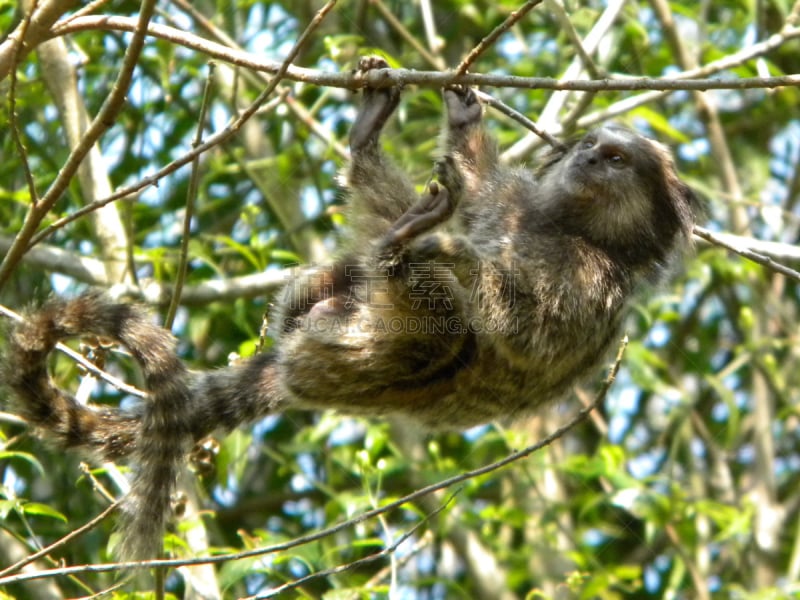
<point>485,297</point>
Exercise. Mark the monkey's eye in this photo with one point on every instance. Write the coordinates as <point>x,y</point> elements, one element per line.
<point>588,143</point>
<point>616,159</point>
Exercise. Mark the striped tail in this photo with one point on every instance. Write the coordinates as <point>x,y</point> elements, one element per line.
<point>156,438</point>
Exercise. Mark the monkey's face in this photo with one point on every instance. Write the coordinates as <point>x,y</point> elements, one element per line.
<point>614,187</point>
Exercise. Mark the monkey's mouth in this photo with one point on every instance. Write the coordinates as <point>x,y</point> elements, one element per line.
<point>587,186</point>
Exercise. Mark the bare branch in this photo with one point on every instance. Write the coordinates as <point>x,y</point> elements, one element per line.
<point>490,39</point>
<point>388,551</point>
<point>60,75</point>
<point>57,260</point>
<point>394,22</point>
<point>381,78</point>
<point>88,526</point>
<point>732,243</point>
<point>12,108</point>
<point>27,36</point>
<point>191,199</point>
<point>92,271</point>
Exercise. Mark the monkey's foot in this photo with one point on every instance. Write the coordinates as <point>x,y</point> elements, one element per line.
<point>377,107</point>
<point>463,107</point>
<point>433,208</point>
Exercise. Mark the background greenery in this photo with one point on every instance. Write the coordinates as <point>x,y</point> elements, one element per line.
<point>685,485</point>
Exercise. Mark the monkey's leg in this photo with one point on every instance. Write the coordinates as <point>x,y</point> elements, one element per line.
<point>405,241</point>
<point>455,252</point>
<point>380,192</point>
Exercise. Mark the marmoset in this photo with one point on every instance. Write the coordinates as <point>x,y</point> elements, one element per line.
<point>489,295</point>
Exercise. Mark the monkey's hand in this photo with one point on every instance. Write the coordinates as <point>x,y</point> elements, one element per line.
<point>434,207</point>
<point>463,107</point>
<point>377,107</point>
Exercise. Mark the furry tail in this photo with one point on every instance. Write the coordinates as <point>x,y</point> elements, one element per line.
<point>157,439</point>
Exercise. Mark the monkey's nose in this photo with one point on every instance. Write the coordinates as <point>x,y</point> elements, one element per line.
<point>590,158</point>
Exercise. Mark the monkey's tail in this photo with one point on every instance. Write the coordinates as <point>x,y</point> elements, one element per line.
<point>157,439</point>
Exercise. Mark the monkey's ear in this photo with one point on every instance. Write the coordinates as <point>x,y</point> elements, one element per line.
<point>698,204</point>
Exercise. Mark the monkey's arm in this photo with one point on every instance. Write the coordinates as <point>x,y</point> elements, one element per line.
<point>470,153</point>
<point>406,243</point>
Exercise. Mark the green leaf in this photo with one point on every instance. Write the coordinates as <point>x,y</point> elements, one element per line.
<point>41,510</point>
<point>24,456</point>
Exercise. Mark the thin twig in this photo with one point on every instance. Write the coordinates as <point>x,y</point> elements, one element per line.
<point>12,108</point>
<point>104,119</point>
<point>685,80</point>
<point>191,199</point>
<point>490,39</point>
<point>394,22</point>
<point>314,126</point>
<point>299,110</point>
<point>89,525</point>
<point>87,9</point>
<point>434,79</point>
<point>86,469</point>
<point>518,117</point>
<point>677,81</point>
<point>90,271</point>
<point>229,131</point>
<point>388,551</point>
<point>557,10</point>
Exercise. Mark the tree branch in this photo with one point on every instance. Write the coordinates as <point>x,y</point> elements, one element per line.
<point>27,37</point>
<point>686,80</point>
<point>733,243</point>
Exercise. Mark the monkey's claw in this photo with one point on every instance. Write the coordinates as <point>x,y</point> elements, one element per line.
<point>377,107</point>
<point>463,107</point>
